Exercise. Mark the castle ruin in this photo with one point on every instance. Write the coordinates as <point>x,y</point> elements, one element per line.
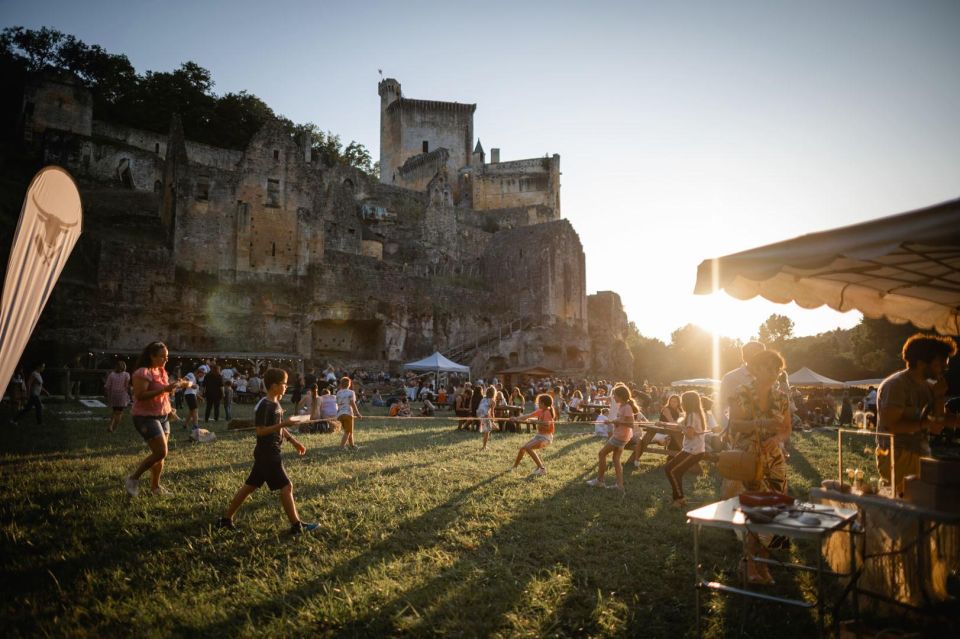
<point>272,251</point>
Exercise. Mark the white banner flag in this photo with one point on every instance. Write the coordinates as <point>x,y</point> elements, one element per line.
<point>48,229</point>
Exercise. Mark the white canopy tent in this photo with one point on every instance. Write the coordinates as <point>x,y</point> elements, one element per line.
<point>697,381</point>
<point>905,268</point>
<point>436,363</point>
<point>806,377</point>
<point>864,383</point>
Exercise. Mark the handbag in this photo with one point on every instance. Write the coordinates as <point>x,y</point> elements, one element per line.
<point>741,465</point>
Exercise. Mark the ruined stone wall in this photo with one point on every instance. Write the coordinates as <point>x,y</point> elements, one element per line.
<point>56,102</point>
<point>263,250</point>
<point>518,183</point>
<point>106,162</point>
<point>259,216</point>
<point>503,219</point>
<point>139,138</point>
<point>543,268</point>
<point>225,159</point>
<point>417,172</point>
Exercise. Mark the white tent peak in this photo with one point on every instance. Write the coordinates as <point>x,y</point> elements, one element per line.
<point>807,377</point>
<point>436,363</point>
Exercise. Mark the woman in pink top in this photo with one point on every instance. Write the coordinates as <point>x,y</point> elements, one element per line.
<point>151,411</point>
<point>115,390</point>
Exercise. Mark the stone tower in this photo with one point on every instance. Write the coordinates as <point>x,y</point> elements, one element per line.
<point>416,130</point>
<point>389,90</point>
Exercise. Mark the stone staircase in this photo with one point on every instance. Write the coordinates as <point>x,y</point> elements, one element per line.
<point>466,350</point>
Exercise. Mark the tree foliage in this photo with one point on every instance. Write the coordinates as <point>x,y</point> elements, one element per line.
<point>869,350</point>
<point>776,329</point>
<point>149,100</point>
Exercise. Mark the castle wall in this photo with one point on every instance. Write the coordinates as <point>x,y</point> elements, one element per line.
<point>139,138</point>
<point>262,250</point>
<point>545,267</point>
<point>56,103</point>
<point>419,170</point>
<point>518,183</point>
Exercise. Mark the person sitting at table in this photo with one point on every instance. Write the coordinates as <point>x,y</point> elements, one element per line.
<point>599,396</point>
<point>461,405</point>
<point>309,404</point>
<point>760,423</point>
<point>672,412</point>
<point>442,396</point>
<point>573,407</point>
<point>328,404</point>
<point>910,407</point>
<point>517,398</point>
<point>377,399</point>
<point>427,409</point>
<point>475,399</point>
<point>401,408</point>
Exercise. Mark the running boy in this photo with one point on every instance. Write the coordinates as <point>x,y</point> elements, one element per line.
<point>545,416</point>
<point>267,464</point>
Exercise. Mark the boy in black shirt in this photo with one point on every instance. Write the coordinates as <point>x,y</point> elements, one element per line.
<point>267,464</point>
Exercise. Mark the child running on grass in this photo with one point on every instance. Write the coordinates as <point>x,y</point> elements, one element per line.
<point>485,413</point>
<point>622,432</point>
<point>267,463</point>
<point>545,415</point>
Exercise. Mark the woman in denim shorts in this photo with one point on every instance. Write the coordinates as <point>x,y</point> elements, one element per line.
<point>151,411</point>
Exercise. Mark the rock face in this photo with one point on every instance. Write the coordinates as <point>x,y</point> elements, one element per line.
<point>268,250</point>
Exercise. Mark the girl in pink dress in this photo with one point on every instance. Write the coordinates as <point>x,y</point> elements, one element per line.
<point>115,391</point>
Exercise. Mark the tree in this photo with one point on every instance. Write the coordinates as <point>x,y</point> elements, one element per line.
<point>358,156</point>
<point>38,48</point>
<point>776,329</point>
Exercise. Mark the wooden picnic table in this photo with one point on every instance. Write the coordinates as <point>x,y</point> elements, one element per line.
<point>589,412</point>
<point>508,412</point>
<point>650,430</point>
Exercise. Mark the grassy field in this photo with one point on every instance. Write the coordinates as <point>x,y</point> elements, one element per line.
<point>419,535</point>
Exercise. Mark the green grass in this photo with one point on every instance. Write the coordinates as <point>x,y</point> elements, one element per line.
<point>419,535</point>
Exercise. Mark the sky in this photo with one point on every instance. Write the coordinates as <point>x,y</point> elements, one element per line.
<point>686,130</point>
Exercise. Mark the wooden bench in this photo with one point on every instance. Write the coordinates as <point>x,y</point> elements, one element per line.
<point>650,430</point>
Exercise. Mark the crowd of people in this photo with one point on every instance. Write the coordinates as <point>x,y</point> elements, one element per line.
<point>753,412</point>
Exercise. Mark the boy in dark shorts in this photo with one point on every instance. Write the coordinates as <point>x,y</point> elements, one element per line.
<point>267,464</point>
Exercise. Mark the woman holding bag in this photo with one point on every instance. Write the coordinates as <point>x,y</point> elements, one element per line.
<point>760,424</point>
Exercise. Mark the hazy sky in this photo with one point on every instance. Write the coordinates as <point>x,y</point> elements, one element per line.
<point>686,130</point>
